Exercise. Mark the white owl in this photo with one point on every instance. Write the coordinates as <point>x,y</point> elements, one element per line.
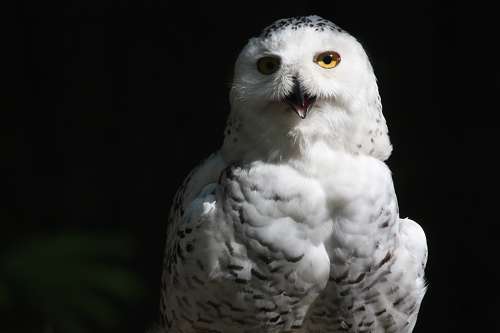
<point>293,225</point>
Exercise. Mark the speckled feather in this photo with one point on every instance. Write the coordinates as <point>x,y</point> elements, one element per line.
<point>299,22</point>
<point>293,225</point>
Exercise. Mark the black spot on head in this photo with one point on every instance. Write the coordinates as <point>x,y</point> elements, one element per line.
<point>297,22</point>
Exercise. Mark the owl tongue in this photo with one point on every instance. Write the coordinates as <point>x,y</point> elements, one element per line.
<point>299,100</point>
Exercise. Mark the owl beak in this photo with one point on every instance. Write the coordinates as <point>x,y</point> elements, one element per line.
<point>299,100</point>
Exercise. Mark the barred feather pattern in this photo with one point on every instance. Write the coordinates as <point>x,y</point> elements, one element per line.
<point>293,225</point>
<point>269,247</point>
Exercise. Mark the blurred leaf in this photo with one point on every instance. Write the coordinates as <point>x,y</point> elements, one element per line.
<point>4,295</point>
<point>74,280</point>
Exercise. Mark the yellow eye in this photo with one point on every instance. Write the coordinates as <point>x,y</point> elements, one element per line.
<point>268,65</point>
<point>328,59</point>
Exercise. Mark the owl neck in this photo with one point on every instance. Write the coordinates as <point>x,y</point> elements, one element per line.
<point>277,135</point>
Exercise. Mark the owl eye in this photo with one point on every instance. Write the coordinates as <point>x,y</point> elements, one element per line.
<point>268,65</point>
<point>328,59</point>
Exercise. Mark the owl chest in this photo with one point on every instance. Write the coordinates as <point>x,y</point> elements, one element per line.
<point>233,282</point>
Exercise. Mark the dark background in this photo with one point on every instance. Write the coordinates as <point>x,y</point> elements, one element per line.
<point>114,102</point>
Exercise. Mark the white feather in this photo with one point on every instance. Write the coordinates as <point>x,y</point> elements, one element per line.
<point>294,223</point>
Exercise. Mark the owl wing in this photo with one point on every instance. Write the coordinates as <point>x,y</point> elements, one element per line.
<point>189,207</point>
<point>246,253</point>
<point>376,281</point>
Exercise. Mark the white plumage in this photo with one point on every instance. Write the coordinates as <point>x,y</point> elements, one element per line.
<point>293,225</point>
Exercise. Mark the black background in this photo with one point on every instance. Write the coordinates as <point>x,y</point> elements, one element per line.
<point>116,101</point>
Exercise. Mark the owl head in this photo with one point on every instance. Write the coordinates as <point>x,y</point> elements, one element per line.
<point>304,81</point>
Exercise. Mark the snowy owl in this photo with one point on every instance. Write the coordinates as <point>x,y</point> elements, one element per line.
<point>293,225</point>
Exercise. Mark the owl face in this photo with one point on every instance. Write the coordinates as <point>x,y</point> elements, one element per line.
<point>301,66</point>
<point>305,81</point>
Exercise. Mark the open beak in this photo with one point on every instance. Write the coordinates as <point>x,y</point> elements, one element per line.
<point>299,100</point>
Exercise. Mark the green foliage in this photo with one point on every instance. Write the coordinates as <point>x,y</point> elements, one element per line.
<point>70,282</point>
